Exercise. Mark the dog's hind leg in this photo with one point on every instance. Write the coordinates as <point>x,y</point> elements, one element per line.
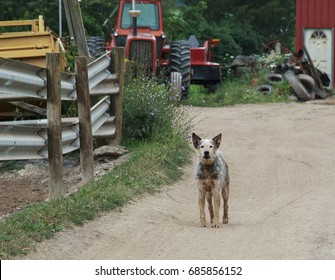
<point>201,200</point>
<point>225,196</point>
<point>210,205</point>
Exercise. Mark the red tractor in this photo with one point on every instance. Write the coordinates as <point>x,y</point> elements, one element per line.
<point>139,29</point>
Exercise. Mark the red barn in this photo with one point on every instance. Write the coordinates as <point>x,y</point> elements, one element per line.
<point>315,24</point>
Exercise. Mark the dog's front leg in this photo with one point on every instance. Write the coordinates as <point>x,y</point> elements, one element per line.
<point>210,205</point>
<point>217,199</point>
<point>201,200</point>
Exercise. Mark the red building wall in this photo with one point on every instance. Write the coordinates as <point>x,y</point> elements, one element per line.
<point>314,14</point>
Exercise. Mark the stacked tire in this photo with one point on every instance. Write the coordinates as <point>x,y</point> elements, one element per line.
<point>273,78</point>
<point>304,86</point>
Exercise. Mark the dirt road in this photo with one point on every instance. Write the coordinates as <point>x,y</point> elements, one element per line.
<point>282,161</point>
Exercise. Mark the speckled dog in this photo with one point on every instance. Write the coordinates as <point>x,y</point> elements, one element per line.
<point>212,179</point>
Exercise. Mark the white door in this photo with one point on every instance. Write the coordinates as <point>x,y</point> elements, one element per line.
<point>319,43</point>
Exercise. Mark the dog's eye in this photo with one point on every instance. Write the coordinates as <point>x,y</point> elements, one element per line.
<point>211,146</point>
<point>202,146</point>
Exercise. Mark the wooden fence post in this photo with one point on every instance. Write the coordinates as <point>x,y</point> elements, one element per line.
<point>55,149</point>
<point>312,68</point>
<point>85,123</point>
<point>117,100</point>
<point>76,26</point>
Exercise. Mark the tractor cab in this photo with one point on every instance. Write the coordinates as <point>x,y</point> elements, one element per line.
<point>139,29</point>
<point>148,16</point>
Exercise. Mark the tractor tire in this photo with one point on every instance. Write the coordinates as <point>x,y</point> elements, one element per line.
<point>180,61</point>
<point>96,47</point>
<point>299,90</point>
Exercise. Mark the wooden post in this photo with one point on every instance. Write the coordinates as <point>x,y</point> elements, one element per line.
<point>314,72</point>
<point>85,123</point>
<point>117,100</point>
<point>76,26</point>
<point>55,149</point>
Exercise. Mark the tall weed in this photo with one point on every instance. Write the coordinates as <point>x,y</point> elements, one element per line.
<point>150,111</point>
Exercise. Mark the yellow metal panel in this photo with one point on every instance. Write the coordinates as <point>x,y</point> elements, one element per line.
<point>25,53</point>
<point>29,46</point>
<point>37,25</point>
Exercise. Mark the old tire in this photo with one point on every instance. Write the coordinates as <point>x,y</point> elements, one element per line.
<point>275,78</point>
<point>265,89</point>
<point>180,61</point>
<point>309,84</point>
<point>96,47</point>
<point>299,90</point>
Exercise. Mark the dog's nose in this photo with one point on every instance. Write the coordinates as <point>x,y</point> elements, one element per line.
<point>206,154</point>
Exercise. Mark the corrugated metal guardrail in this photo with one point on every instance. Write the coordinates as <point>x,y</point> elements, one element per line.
<point>20,81</point>
<point>28,139</point>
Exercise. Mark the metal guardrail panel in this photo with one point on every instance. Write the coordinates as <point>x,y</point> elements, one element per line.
<point>108,86</point>
<point>21,81</point>
<point>29,140</point>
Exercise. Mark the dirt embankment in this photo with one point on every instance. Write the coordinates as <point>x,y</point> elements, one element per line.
<point>281,162</point>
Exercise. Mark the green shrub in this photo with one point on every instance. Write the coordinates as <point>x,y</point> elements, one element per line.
<point>150,111</point>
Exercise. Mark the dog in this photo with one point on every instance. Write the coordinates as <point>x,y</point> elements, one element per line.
<point>212,179</point>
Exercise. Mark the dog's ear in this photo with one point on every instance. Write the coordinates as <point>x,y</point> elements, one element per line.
<point>195,139</point>
<point>217,140</point>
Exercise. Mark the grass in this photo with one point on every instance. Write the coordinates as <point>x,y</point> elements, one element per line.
<point>10,166</point>
<point>238,90</point>
<point>20,232</point>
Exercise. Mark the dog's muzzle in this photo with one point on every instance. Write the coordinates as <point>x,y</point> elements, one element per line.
<point>207,155</point>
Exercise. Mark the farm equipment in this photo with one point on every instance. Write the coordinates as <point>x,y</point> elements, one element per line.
<point>28,46</point>
<point>27,41</point>
<point>139,29</point>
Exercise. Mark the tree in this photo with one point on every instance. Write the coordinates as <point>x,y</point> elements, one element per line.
<point>242,25</point>
<point>94,13</point>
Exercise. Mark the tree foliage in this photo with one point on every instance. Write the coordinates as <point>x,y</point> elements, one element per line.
<point>243,26</point>
<point>94,12</point>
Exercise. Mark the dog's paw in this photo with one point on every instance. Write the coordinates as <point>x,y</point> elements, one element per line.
<point>225,220</point>
<point>215,225</point>
<point>203,224</point>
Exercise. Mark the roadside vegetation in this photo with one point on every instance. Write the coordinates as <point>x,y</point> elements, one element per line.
<point>244,86</point>
<point>155,128</point>
<point>238,90</point>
